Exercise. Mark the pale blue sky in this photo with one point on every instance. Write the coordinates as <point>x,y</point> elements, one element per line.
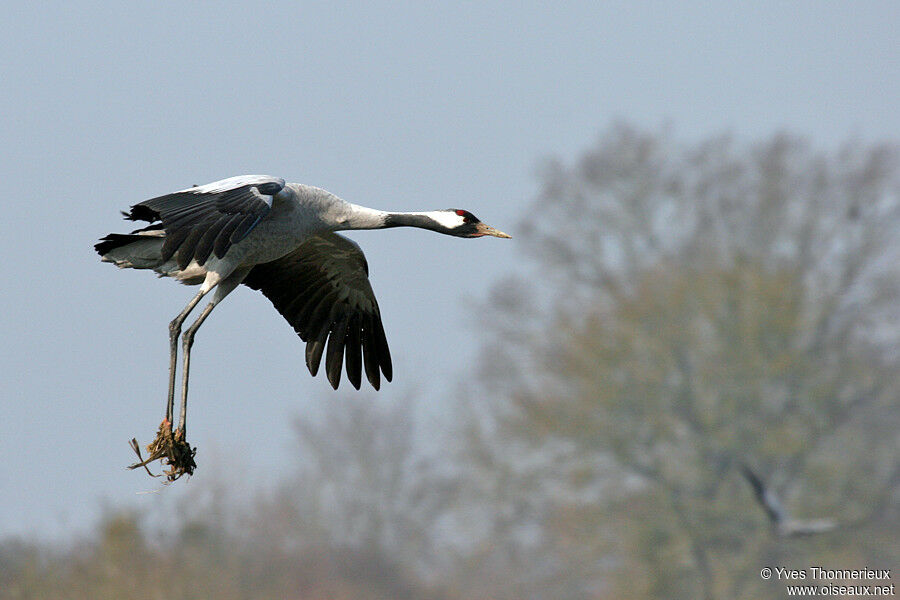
<point>395,106</point>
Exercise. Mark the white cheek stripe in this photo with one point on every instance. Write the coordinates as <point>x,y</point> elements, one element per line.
<point>448,219</point>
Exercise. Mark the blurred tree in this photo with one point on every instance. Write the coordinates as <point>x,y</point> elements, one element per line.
<point>368,486</point>
<point>691,307</point>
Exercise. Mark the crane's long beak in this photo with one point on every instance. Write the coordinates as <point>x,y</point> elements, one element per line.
<point>488,230</point>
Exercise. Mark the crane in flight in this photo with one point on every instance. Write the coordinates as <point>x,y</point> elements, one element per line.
<point>782,522</point>
<point>279,238</point>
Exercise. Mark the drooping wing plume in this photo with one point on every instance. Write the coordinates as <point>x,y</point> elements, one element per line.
<point>209,218</point>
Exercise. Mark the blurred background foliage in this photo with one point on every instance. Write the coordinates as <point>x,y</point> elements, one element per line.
<point>682,309</point>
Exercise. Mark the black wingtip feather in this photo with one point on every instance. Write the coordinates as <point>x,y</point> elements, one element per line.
<point>141,212</point>
<point>314,356</point>
<point>316,346</point>
<point>353,352</point>
<point>112,241</point>
<point>334,359</point>
<point>383,351</point>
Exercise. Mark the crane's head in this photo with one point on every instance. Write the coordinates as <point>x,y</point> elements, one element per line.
<point>450,221</point>
<point>462,223</point>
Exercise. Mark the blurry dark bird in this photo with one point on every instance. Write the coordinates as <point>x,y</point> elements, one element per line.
<point>278,238</point>
<point>782,522</point>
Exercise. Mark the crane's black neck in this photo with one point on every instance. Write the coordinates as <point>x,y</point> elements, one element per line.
<point>420,220</point>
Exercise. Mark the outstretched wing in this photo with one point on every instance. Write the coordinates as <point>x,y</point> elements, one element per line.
<point>209,218</point>
<point>766,497</point>
<point>322,288</point>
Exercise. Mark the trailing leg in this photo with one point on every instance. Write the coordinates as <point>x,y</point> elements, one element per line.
<point>225,287</point>
<point>174,333</point>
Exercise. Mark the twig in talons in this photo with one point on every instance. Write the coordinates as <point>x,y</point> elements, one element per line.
<point>143,463</point>
<point>170,447</point>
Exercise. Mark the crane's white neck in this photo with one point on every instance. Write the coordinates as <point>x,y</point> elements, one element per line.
<point>361,217</point>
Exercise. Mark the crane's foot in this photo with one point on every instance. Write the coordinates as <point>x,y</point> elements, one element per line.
<point>170,447</point>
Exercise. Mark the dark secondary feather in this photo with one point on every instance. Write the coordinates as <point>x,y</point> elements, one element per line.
<point>322,289</point>
<point>200,223</point>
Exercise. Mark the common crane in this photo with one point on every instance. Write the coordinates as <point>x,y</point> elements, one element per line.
<point>278,238</point>
<point>781,520</point>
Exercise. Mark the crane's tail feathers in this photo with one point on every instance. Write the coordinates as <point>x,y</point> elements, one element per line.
<point>138,250</point>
